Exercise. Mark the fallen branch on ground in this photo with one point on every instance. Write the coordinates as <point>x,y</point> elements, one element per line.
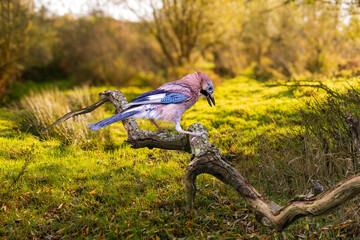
<point>208,159</point>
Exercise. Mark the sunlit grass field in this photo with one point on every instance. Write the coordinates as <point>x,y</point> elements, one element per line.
<point>72,183</point>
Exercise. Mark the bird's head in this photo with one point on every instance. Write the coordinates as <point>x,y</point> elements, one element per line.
<point>207,88</point>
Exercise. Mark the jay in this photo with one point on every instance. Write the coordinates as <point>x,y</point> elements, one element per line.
<point>168,102</point>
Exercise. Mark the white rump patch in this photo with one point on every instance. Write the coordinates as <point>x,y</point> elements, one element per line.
<point>146,112</point>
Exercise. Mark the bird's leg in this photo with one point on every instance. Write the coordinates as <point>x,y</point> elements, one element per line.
<point>195,135</point>
<point>157,126</point>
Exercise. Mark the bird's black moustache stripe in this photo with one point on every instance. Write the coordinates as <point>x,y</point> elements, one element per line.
<point>204,92</point>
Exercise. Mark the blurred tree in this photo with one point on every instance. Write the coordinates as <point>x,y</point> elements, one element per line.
<point>183,26</point>
<point>275,38</point>
<point>24,40</point>
<point>285,39</point>
<point>100,49</point>
<point>15,39</point>
<point>221,36</point>
<point>270,38</point>
<point>177,26</point>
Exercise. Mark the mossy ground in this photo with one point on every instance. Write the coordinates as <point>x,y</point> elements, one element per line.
<point>54,190</point>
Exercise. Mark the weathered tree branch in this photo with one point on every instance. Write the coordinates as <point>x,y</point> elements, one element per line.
<point>266,211</point>
<point>208,159</point>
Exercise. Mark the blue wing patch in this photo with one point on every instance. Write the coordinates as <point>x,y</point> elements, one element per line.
<point>174,98</point>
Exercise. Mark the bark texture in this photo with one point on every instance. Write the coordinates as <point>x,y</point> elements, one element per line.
<point>206,158</point>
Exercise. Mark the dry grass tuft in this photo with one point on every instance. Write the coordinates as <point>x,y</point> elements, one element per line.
<point>41,109</point>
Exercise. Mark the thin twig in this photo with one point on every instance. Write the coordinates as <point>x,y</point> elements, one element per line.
<point>28,159</point>
<point>77,112</point>
<point>319,85</point>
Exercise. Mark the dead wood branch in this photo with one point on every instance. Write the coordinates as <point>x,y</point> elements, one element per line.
<point>208,159</point>
<point>266,211</point>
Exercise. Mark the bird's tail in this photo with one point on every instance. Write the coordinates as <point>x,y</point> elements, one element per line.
<point>110,120</point>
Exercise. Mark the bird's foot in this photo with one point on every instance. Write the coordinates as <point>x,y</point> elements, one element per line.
<point>195,135</point>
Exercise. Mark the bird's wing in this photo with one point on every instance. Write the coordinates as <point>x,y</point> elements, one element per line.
<point>158,96</point>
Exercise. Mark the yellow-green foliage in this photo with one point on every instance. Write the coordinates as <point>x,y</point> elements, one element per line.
<point>52,189</point>
<point>20,35</point>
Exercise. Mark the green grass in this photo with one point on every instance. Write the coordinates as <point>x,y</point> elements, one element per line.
<point>51,188</point>
<point>19,89</point>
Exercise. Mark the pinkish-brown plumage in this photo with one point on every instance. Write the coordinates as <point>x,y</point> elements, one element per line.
<point>168,102</point>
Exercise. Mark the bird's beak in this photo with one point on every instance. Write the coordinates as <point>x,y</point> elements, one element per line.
<point>209,97</point>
